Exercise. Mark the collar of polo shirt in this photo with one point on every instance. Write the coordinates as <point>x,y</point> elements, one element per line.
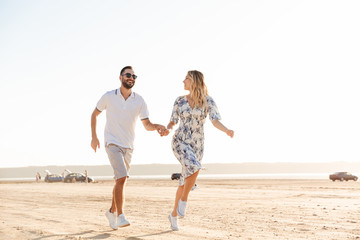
<point>117,92</point>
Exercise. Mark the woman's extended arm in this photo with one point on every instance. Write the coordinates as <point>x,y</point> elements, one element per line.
<point>168,128</point>
<point>221,127</point>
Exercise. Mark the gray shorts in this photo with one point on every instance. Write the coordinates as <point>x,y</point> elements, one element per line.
<point>120,159</point>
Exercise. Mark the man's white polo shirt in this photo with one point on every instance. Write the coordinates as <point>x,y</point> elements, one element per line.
<point>121,117</point>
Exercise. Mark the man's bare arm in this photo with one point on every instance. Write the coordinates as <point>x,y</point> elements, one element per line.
<point>149,126</point>
<point>94,139</point>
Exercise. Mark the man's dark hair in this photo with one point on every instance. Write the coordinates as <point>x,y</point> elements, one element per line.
<point>127,67</point>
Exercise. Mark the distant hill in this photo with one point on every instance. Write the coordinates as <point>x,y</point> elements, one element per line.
<point>166,169</point>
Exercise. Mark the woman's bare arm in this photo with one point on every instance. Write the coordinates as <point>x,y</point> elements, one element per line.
<point>168,128</point>
<point>222,128</point>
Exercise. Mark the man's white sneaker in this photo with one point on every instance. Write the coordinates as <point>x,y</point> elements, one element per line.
<point>181,208</point>
<point>173,222</point>
<point>122,222</point>
<point>112,219</point>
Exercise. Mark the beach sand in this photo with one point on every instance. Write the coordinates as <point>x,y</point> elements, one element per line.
<point>218,209</point>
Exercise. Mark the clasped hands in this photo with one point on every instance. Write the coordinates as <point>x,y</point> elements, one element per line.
<point>162,130</point>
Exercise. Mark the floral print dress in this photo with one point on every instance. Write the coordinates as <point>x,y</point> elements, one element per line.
<point>188,140</point>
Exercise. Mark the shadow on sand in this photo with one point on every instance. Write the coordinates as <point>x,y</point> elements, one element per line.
<point>147,235</point>
<point>103,235</point>
<point>66,236</point>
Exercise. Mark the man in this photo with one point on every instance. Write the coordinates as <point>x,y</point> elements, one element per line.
<point>123,107</point>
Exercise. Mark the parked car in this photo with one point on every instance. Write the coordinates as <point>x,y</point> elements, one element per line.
<point>175,176</point>
<point>77,177</point>
<point>53,178</point>
<point>341,176</point>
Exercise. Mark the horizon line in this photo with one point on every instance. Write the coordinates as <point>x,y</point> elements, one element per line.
<point>226,163</point>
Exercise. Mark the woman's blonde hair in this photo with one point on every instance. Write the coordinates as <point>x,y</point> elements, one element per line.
<point>198,89</point>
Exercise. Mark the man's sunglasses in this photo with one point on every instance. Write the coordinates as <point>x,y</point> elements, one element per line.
<point>128,75</point>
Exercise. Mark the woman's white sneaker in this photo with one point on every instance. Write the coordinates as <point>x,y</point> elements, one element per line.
<point>173,222</point>
<point>181,208</point>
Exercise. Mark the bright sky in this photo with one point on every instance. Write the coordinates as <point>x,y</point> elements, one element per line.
<point>284,74</point>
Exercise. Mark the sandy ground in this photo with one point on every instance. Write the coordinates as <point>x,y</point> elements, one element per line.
<point>218,209</point>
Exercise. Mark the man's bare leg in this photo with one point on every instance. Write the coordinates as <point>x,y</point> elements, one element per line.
<point>113,206</point>
<point>119,194</point>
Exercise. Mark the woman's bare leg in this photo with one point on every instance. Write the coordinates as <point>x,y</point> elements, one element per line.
<point>189,183</point>
<point>179,193</point>
<point>183,191</point>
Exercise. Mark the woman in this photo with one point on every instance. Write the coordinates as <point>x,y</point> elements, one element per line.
<point>188,140</point>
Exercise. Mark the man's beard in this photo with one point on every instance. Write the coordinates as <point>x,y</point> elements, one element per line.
<point>126,85</point>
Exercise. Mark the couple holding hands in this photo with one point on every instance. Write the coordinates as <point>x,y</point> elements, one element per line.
<point>123,107</point>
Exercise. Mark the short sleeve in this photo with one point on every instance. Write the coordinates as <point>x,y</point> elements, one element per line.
<point>102,103</point>
<point>175,112</point>
<point>144,112</point>
<point>212,109</point>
